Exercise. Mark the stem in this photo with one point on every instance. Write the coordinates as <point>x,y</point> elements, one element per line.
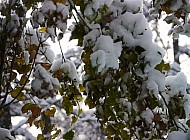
<point>170,111</point>
<point>82,19</point>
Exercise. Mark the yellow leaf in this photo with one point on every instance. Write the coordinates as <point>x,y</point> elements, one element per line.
<point>43,30</point>
<point>50,112</point>
<point>23,80</point>
<point>81,88</point>
<point>16,93</point>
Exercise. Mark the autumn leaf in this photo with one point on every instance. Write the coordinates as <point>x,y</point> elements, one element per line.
<point>50,112</point>
<point>34,109</point>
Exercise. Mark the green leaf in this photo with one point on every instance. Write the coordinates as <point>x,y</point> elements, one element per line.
<point>110,130</point>
<point>30,3</point>
<point>162,66</point>
<point>40,137</point>
<point>67,105</point>
<point>56,134</point>
<point>124,135</point>
<point>78,33</point>
<point>139,49</point>
<point>69,135</point>
<point>188,123</point>
<point>79,111</point>
<point>89,102</point>
<point>81,88</point>
<point>133,58</point>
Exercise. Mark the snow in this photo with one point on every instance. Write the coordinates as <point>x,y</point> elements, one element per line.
<point>95,5</point>
<point>68,68</point>
<point>48,7</point>
<point>62,9</point>
<point>56,65</point>
<point>72,71</point>
<point>147,115</point>
<point>5,134</point>
<point>26,57</point>
<point>105,53</point>
<point>43,81</point>
<point>177,135</point>
<point>177,84</point>
<point>91,37</point>
<point>48,52</point>
<point>61,25</point>
<point>134,5</point>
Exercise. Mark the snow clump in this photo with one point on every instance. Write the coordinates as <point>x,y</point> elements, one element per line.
<point>105,53</point>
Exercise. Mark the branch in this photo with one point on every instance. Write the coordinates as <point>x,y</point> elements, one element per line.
<point>171,116</point>
<point>33,64</point>
<point>82,19</point>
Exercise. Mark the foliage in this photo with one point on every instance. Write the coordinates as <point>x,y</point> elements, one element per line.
<point>123,76</point>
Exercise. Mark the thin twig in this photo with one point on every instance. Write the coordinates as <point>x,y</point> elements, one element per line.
<point>73,6</point>
<point>33,64</point>
<point>63,58</point>
<point>171,113</point>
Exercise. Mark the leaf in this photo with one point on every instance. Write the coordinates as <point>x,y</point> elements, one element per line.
<point>79,111</point>
<point>157,118</point>
<point>133,58</point>
<point>74,119</point>
<point>139,49</point>
<point>124,135</point>
<point>16,93</point>
<point>40,137</point>
<point>160,67</point>
<point>30,3</point>
<point>50,112</point>
<point>34,108</point>
<point>188,123</point>
<point>23,80</point>
<point>67,105</point>
<point>78,33</point>
<point>13,76</point>
<point>89,102</point>
<point>81,88</point>
<point>24,69</point>
<point>40,124</point>
<point>69,135</point>
<point>56,134</point>
<point>59,1</point>
<point>110,130</point>
<point>166,9</point>
<point>43,30</point>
